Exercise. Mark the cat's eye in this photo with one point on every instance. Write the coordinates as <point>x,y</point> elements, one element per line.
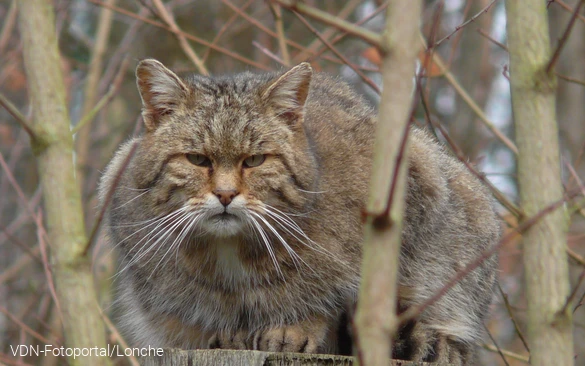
<point>254,161</point>
<point>198,159</point>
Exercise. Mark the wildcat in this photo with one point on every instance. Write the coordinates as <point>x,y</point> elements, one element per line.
<point>237,220</point>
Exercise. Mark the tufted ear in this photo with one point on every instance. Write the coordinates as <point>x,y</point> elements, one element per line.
<point>161,90</point>
<point>288,93</point>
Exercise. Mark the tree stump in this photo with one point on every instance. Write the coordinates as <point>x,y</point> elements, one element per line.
<point>216,357</point>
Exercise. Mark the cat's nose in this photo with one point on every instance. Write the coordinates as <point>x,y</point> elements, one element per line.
<point>225,196</point>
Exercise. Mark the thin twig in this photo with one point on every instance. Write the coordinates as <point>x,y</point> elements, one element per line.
<point>19,117</point>
<point>105,99</point>
<point>564,38</point>
<point>371,37</point>
<point>510,206</point>
<point>510,354</point>
<point>470,102</point>
<point>459,27</point>
<point>347,9</point>
<point>267,52</point>
<point>574,292</point>
<point>366,79</point>
<point>279,25</point>
<point>224,28</point>
<point>458,36</point>
<point>46,266</point>
<point>569,79</point>
<point>108,198</point>
<point>576,257</point>
<point>265,29</point>
<point>565,6</point>
<point>25,327</point>
<point>499,44</point>
<point>9,21</point>
<point>17,188</point>
<point>186,35</point>
<point>575,176</point>
<point>496,345</point>
<point>117,337</point>
<point>514,322</point>
<point>185,46</point>
<point>20,244</point>
<point>319,52</point>
<point>121,52</point>
<point>12,271</point>
<point>91,90</point>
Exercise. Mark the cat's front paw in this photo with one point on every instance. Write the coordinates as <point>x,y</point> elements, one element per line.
<point>230,340</point>
<point>304,338</point>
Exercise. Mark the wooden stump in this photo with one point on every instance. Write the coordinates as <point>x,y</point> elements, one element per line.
<point>216,357</point>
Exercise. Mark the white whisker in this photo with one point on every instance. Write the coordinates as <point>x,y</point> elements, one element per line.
<point>178,239</point>
<point>129,201</point>
<point>287,223</point>
<point>312,192</point>
<point>294,256</point>
<point>167,219</point>
<point>268,246</point>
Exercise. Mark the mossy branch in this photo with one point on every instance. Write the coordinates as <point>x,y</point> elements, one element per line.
<point>83,327</point>
<point>376,320</point>
<point>539,180</point>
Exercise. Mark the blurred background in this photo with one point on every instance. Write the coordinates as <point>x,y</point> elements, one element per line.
<point>101,42</point>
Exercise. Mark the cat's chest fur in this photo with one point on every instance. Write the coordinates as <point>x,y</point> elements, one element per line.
<point>229,267</point>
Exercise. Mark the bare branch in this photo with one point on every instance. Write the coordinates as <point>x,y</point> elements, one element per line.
<point>186,35</point>
<point>459,27</point>
<point>375,320</point>
<point>279,25</point>
<point>368,36</point>
<point>19,117</point>
<point>107,200</point>
<point>189,51</point>
<point>564,37</point>
<point>366,79</point>
<point>105,99</point>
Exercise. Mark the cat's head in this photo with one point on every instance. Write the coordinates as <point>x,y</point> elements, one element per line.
<point>230,151</point>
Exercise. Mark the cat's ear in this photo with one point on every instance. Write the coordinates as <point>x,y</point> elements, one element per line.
<point>161,90</point>
<point>288,93</point>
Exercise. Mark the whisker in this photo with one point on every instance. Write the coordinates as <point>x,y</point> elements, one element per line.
<point>178,239</point>
<point>286,222</point>
<point>300,214</point>
<point>268,246</point>
<point>294,256</point>
<point>168,219</point>
<point>189,231</point>
<point>165,235</point>
<point>129,201</point>
<point>312,192</point>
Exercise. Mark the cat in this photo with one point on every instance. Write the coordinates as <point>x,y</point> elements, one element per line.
<point>238,219</point>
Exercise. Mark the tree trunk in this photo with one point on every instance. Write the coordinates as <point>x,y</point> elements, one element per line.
<point>376,322</point>
<point>539,179</point>
<point>53,146</point>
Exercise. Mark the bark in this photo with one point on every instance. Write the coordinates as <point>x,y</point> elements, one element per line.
<point>376,321</point>
<point>178,357</point>
<point>53,147</point>
<point>539,179</point>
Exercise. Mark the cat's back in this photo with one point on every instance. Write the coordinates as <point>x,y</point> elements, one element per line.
<point>340,124</point>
